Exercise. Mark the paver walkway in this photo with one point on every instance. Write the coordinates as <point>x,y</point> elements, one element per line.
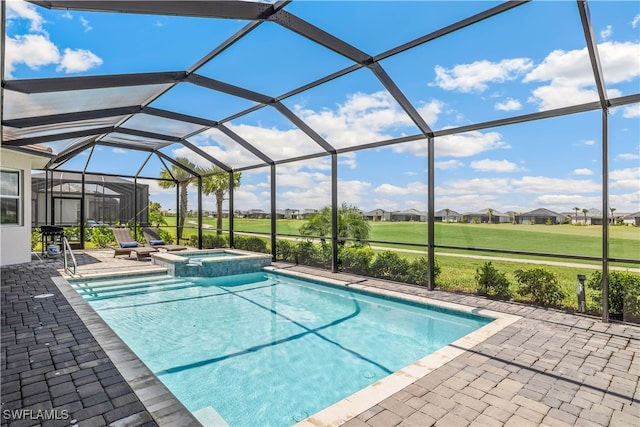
<point>54,373</point>
<point>549,368</point>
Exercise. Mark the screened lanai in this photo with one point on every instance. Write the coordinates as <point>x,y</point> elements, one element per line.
<point>502,107</point>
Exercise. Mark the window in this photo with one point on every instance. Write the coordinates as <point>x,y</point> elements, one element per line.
<point>10,203</point>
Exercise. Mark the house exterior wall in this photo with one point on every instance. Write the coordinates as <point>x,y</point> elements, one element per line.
<point>15,240</point>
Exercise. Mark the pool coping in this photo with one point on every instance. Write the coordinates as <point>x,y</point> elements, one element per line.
<point>164,407</point>
<point>355,404</point>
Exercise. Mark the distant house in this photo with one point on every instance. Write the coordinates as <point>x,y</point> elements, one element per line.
<point>447,215</point>
<point>292,213</point>
<point>306,213</point>
<point>408,215</point>
<point>632,219</point>
<point>540,216</point>
<point>378,215</point>
<point>486,216</point>
<point>256,214</point>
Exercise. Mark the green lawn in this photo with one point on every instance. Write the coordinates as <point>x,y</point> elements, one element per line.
<point>624,241</point>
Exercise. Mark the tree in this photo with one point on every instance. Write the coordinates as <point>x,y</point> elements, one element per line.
<point>490,212</point>
<point>182,178</point>
<point>155,214</point>
<point>446,218</point>
<point>576,209</point>
<point>585,212</point>
<point>216,182</point>
<point>351,224</point>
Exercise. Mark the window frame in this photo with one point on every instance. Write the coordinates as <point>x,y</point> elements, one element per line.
<point>17,197</point>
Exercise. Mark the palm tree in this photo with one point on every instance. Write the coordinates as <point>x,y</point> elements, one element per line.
<point>490,212</point>
<point>182,178</point>
<point>576,209</point>
<point>613,220</point>
<point>351,223</point>
<point>585,211</point>
<point>216,182</point>
<point>447,211</point>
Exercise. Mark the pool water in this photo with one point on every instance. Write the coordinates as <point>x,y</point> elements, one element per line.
<point>268,349</point>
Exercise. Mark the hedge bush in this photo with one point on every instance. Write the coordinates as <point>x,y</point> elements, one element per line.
<point>492,282</point>
<point>102,236</point>
<point>624,294</point>
<point>285,251</point>
<point>389,265</point>
<point>209,241</point>
<point>250,243</point>
<point>540,285</point>
<point>418,272</point>
<point>356,260</point>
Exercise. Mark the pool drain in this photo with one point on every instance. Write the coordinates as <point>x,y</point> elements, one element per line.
<point>368,374</point>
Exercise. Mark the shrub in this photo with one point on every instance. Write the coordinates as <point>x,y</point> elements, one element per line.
<point>418,272</point>
<point>285,251</point>
<point>624,294</point>
<point>539,284</point>
<point>209,241</point>
<point>356,260</point>
<point>102,236</point>
<point>35,238</point>
<point>308,253</point>
<point>389,265</point>
<point>167,237</point>
<point>491,282</point>
<point>252,243</point>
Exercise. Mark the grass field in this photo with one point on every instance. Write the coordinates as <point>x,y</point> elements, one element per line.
<point>624,241</point>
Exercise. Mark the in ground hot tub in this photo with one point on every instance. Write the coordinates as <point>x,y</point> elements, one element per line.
<point>211,262</point>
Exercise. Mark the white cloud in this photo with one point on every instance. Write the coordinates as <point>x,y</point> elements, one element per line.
<point>67,15</point>
<point>606,33</point>
<point>118,150</point>
<point>488,165</point>
<point>589,142</point>
<point>36,50</point>
<point>78,60</point>
<point>582,171</point>
<point>18,9</point>
<point>33,50</point>
<point>460,145</point>
<point>413,188</point>
<point>631,111</point>
<point>635,21</point>
<point>628,156</point>
<point>159,24</point>
<point>448,164</point>
<point>543,185</point>
<point>364,118</point>
<point>477,75</point>
<point>571,78</point>
<point>475,186</point>
<point>469,144</point>
<point>625,178</point>
<point>508,104</point>
<point>85,24</point>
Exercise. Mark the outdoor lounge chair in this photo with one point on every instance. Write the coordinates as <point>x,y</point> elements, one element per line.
<point>126,244</point>
<point>153,239</point>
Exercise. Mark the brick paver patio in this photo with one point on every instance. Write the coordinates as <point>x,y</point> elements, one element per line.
<point>548,368</point>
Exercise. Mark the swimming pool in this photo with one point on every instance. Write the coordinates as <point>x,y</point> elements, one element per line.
<point>264,348</point>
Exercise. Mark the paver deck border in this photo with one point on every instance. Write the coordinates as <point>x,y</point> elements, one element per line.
<point>163,406</point>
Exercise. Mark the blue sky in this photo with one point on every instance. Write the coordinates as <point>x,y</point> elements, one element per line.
<point>532,58</point>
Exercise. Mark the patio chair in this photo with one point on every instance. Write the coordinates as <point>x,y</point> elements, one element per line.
<point>152,237</point>
<point>126,244</point>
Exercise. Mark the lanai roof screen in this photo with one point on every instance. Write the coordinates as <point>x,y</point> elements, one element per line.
<point>244,85</point>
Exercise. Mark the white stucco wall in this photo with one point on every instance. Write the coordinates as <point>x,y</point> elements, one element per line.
<point>15,240</point>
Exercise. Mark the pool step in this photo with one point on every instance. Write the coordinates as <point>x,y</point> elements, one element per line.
<point>104,291</point>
